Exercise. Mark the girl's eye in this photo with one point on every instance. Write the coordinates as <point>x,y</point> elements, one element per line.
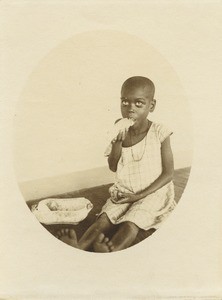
<point>125,103</point>
<point>139,103</point>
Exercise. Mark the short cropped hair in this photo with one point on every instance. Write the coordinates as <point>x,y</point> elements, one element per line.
<point>138,81</point>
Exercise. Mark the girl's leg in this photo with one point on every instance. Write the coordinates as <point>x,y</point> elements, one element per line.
<point>101,226</point>
<point>142,235</point>
<point>124,237</point>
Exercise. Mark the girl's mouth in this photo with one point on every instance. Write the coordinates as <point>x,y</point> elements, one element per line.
<point>131,116</point>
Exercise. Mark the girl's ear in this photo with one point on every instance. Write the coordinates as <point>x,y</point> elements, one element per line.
<point>153,105</point>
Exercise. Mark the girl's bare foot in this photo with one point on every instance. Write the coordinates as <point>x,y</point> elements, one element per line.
<point>103,244</point>
<point>67,236</point>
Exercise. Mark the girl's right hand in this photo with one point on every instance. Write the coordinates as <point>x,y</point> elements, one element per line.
<point>120,137</point>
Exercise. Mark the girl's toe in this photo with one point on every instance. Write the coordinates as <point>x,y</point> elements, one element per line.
<point>106,240</point>
<point>66,230</point>
<point>100,238</point>
<point>111,246</point>
<point>72,234</point>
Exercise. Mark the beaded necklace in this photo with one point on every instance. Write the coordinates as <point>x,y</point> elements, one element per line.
<point>144,148</point>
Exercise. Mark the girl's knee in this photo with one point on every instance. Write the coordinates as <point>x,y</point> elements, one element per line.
<point>103,220</point>
<point>133,227</point>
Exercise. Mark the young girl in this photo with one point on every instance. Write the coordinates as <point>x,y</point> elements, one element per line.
<point>143,194</point>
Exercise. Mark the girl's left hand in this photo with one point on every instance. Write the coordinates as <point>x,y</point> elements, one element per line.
<point>127,198</point>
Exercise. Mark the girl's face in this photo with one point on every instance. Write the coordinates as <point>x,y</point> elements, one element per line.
<point>136,103</point>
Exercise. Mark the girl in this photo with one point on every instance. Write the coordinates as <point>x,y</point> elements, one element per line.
<point>143,193</point>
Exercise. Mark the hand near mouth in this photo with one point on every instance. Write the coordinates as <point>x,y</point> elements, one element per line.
<point>121,136</point>
<point>122,128</point>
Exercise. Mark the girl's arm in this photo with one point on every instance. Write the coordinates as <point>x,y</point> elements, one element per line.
<point>165,177</point>
<point>115,155</point>
<point>167,169</point>
<point>116,150</point>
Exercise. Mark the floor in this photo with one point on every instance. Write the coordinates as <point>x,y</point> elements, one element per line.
<point>98,195</point>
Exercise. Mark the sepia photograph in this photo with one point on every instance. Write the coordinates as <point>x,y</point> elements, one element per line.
<point>93,153</point>
<point>110,121</point>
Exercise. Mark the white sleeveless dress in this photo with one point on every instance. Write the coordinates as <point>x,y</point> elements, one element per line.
<point>138,167</point>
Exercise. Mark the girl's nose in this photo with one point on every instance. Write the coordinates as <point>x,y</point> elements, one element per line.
<point>131,107</point>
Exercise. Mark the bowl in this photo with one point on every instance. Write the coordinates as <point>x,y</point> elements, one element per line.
<point>62,211</point>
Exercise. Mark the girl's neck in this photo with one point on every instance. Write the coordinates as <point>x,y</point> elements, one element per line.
<point>142,128</point>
